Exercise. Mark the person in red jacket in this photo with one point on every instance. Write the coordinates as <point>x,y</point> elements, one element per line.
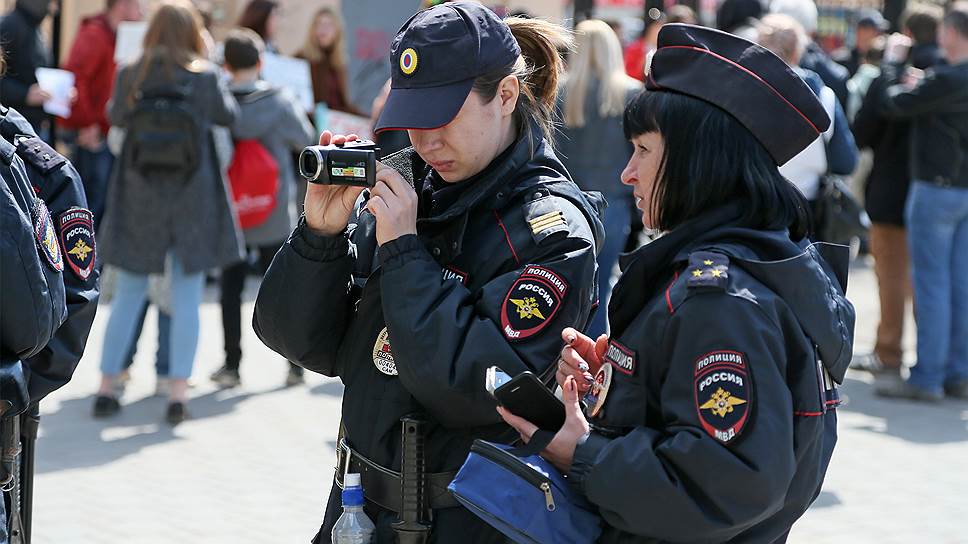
<point>92,61</point>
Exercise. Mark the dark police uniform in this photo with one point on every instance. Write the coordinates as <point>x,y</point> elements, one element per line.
<point>48,303</point>
<point>56,183</point>
<point>501,263</point>
<point>715,416</point>
<point>718,417</point>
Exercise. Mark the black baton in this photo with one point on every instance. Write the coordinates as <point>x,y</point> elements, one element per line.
<point>29,423</point>
<point>413,526</point>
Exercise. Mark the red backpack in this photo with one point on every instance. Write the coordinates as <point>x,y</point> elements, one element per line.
<point>254,178</point>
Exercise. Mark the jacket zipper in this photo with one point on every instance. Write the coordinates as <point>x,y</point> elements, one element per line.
<point>515,465</point>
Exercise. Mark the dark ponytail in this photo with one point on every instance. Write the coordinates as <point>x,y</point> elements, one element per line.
<point>538,70</point>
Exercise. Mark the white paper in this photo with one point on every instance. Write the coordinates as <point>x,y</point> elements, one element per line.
<point>59,84</point>
<point>292,74</point>
<point>127,45</point>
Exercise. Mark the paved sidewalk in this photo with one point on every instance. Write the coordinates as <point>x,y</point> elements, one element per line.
<point>255,463</point>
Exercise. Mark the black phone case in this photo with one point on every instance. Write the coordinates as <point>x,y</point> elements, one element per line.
<point>525,396</point>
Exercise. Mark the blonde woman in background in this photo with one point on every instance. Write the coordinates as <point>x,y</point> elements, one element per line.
<point>592,145</point>
<point>326,53</point>
<point>166,207</point>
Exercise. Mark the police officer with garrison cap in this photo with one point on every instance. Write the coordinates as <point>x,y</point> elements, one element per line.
<point>709,414</point>
<point>50,292</point>
<point>409,296</point>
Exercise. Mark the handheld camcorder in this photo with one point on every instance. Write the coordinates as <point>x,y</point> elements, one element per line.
<point>353,163</point>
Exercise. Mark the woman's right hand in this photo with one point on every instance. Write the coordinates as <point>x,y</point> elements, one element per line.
<point>328,207</point>
<point>580,358</point>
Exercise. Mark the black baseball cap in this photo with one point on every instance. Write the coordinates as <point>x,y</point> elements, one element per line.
<point>746,80</point>
<point>435,58</point>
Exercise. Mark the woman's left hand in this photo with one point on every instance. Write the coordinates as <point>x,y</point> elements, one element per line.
<point>394,204</point>
<point>561,450</point>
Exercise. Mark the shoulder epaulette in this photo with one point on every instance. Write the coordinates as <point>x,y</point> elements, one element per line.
<point>37,153</point>
<point>707,269</point>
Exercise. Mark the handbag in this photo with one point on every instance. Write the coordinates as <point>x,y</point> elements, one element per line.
<point>839,216</point>
<point>519,493</point>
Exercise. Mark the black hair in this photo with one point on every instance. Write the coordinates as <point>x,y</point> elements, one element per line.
<point>957,17</point>
<point>711,159</point>
<point>922,21</point>
<point>243,49</point>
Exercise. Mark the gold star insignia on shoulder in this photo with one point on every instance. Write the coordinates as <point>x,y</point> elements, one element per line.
<point>546,221</point>
<point>707,262</point>
<point>696,273</point>
<point>716,273</point>
<point>721,403</point>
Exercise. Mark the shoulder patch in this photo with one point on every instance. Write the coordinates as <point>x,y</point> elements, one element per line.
<point>723,392</point>
<point>707,269</point>
<point>532,302</point>
<point>36,152</point>
<point>46,236</point>
<point>76,226</point>
<point>621,357</point>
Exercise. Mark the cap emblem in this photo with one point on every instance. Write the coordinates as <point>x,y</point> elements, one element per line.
<point>408,61</point>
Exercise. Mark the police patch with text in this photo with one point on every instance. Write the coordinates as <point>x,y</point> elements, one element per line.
<point>723,393</point>
<point>621,357</point>
<point>76,227</point>
<point>46,236</point>
<point>532,302</point>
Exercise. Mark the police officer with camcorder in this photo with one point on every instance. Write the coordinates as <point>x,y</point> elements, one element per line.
<point>410,295</point>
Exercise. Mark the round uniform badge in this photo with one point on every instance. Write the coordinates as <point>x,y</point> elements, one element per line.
<point>595,398</point>
<point>382,355</point>
<point>408,61</point>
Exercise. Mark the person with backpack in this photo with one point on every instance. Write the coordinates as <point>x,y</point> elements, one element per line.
<point>270,126</point>
<point>168,204</point>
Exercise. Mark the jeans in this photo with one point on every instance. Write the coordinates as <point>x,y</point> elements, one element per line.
<point>937,222</point>
<point>131,293</point>
<point>94,168</point>
<point>164,334</point>
<point>618,217</point>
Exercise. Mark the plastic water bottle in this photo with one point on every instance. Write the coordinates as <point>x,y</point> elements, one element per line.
<point>353,525</point>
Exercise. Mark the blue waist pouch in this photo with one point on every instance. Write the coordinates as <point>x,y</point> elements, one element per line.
<point>519,493</point>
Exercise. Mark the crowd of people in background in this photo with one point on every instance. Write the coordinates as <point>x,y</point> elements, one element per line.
<point>898,104</point>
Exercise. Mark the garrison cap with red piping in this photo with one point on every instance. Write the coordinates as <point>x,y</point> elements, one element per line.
<point>746,80</point>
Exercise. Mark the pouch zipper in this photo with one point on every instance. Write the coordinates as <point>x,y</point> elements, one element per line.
<point>515,465</point>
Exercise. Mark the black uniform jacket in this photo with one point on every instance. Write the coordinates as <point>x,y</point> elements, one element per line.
<point>490,279</point>
<point>717,425</point>
<point>55,181</point>
<point>32,304</point>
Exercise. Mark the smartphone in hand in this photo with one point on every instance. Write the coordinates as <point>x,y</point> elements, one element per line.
<point>525,396</point>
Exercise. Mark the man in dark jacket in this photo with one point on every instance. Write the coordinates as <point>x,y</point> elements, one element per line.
<point>886,193</point>
<point>25,51</point>
<point>937,208</point>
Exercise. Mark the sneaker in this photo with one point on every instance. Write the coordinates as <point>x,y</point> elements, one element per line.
<point>957,390</point>
<point>106,406</point>
<point>901,389</point>
<point>294,377</point>
<point>177,412</point>
<point>226,377</point>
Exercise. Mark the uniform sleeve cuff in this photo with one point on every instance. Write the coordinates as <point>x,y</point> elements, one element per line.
<point>400,251</point>
<point>318,247</point>
<point>585,459</point>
